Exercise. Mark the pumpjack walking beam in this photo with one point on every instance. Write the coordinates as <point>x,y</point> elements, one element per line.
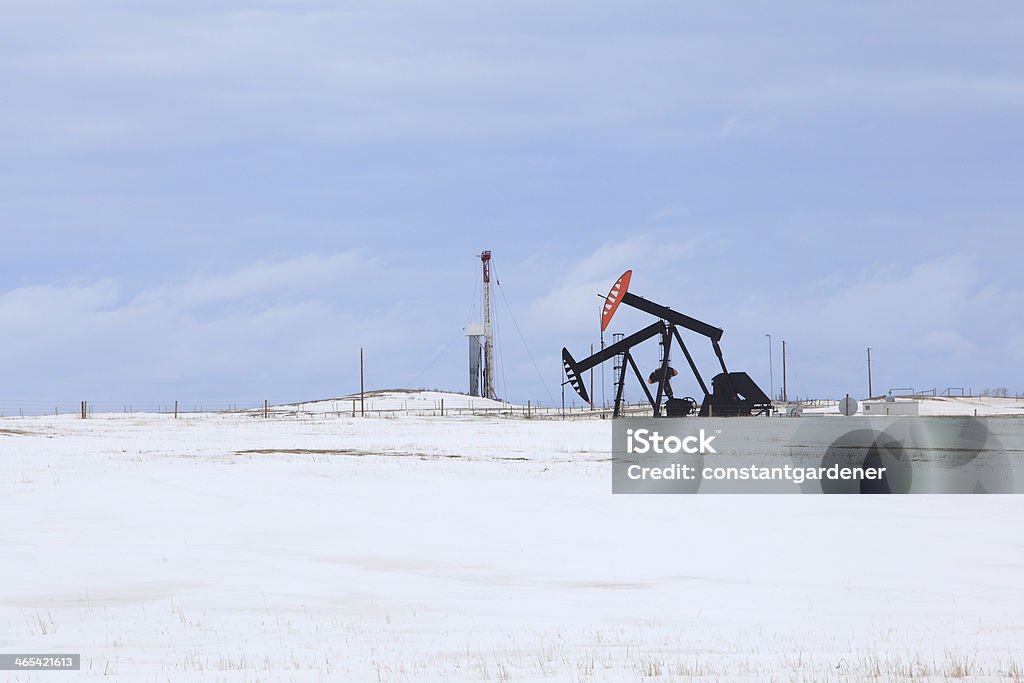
<point>674,317</point>
<point>682,320</point>
<point>574,371</point>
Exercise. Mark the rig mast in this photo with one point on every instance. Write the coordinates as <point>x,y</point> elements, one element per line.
<point>481,342</point>
<point>485,260</point>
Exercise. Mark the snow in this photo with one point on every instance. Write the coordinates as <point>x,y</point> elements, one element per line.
<point>304,547</point>
<point>983,405</point>
<point>986,406</point>
<point>397,400</point>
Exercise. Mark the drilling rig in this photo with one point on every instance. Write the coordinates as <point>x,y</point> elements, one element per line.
<point>481,342</point>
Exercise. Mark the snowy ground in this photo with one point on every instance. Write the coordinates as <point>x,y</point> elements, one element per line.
<point>956,405</point>
<point>396,400</point>
<point>237,548</point>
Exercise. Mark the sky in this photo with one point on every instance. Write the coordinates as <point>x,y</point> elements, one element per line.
<point>222,202</point>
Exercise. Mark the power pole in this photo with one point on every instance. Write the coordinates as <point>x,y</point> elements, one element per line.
<point>591,380</point>
<point>362,391</point>
<point>771,366</point>
<point>600,325</point>
<point>870,393</point>
<point>785,395</point>
<point>485,259</point>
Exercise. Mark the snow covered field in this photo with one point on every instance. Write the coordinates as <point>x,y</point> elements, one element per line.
<point>981,406</point>
<point>236,548</point>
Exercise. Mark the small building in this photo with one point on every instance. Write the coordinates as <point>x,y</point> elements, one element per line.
<point>891,406</point>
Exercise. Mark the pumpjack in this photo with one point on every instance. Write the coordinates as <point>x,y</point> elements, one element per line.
<point>732,394</point>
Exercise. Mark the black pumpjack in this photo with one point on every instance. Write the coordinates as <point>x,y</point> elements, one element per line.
<point>732,394</point>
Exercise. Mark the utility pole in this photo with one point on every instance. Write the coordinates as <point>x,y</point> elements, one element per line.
<point>771,364</point>
<point>600,326</point>
<point>563,398</point>
<point>485,259</point>
<point>591,380</point>
<point>362,389</point>
<point>785,396</point>
<point>870,393</point>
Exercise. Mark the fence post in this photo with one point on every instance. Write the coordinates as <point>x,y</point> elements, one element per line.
<point>442,407</point>
<point>175,410</point>
<point>83,410</point>
<point>265,409</point>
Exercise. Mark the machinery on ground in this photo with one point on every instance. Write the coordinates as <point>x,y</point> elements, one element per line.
<point>732,394</point>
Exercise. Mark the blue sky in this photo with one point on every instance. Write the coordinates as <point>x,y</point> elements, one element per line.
<point>223,201</point>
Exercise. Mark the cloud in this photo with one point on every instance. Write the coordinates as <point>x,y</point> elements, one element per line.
<point>296,322</point>
<point>937,323</point>
<point>737,125</point>
<point>940,322</point>
<point>42,304</point>
<point>183,185</point>
<point>292,327</point>
<point>134,75</point>
<point>329,276</point>
<point>573,302</point>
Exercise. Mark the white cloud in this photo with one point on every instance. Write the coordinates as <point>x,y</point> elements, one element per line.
<point>298,322</point>
<point>573,302</point>
<point>296,325</point>
<point>938,323</point>
<point>329,276</point>
<point>144,76</point>
<point>935,323</point>
<point>757,136</point>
